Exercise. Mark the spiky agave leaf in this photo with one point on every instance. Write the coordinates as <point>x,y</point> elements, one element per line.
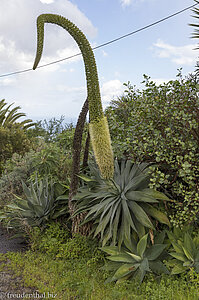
<point>185,252</point>
<point>120,206</point>
<point>137,263</point>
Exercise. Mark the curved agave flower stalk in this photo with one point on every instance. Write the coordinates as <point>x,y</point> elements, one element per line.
<point>98,127</point>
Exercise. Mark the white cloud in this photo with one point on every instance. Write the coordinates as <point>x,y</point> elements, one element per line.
<point>159,81</point>
<point>110,90</point>
<point>47,1</point>
<point>18,32</point>
<point>104,53</point>
<point>126,2</point>
<point>180,55</point>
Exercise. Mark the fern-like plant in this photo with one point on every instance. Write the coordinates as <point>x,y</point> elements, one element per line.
<point>99,131</point>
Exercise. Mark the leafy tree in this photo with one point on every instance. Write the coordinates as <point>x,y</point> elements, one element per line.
<point>160,124</point>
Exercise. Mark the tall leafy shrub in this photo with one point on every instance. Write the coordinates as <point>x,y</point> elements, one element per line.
<point>160,124</point>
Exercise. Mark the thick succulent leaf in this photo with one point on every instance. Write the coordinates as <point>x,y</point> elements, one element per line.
<point>116,223</point>
<point>189,244</point>
<point>187,253</point>
<point>86,178</point>
<point>155,213</point>
<point>102,225</point>
<point>154,251</point>
<point>159,237</point>
<point>137,258</point>
<point>144,265</point>
<point>140,228</point>
<point>137,183</point>
<point>155,194</point>
<point>158,267</point>
<point>130,244</point>
<point>140,196</point>
<point>141,246</point>
<point>127,217</point>
<point>127,171</point>
<point>178,256</point>
<point>107,235</point>
<point>122,257</point>
<point>26,190</point>
<point>124,270</point>
<point>140,214</point>
<point>111,250</point>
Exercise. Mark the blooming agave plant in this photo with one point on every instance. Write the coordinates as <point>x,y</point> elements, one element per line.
<point>98,126</point>
<point>120,200</point>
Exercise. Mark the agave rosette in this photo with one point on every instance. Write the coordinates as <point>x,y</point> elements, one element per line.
<point>184,252</point>
<point>134,261</point>
<point>122,205</point>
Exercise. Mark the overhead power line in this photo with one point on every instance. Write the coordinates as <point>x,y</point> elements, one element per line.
<point>104,44</point>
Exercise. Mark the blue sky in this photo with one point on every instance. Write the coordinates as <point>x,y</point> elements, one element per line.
<point>60,89</point>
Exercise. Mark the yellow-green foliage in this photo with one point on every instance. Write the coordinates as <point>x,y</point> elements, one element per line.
<point>105,162</point>
<point>101,143</point>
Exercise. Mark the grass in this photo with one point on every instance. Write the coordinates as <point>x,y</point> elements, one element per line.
<point>84,279</point>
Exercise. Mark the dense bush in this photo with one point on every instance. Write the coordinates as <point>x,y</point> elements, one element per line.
<point>12,140</point>
<point>57,242</point>
<point>16,169</point>
<point>160,124</point>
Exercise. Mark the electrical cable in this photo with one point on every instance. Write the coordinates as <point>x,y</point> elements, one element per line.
<point>104,44</point>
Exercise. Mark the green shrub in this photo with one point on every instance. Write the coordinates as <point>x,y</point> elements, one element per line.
<point>160,124</point>
<point>50,239</point>
<point>16,169</point>
<point>57,242</point>
<point>52,161</point>
<point>12,140</point>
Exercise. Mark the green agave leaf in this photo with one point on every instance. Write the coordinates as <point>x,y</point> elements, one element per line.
<point>111,250</point>
<point>189,244</point>
<point>39,210</point>
<point>138,182</point>
<point>159,237</point>
<point>140,214</point>
<point>187,253</point>
<point>141,246</point>
<point>127,219</point>
<point>177,248</point>
<point>135,257</point>
<point>158,267</point>
<point>144,266</point>
<point>130,244</point>
<point>154,251</point>
<point>140,196</point>
<point>14,206</point>
<point>178,256</point>
<point>116,223</point>
<point>124,270</point>
<point>155,194</point>
<point>127,170</point>
<point>155,213</point>
<point>102,225</point>
<point>107,235</point>
<point>122,257</point>
<point>86,178</point>
<point>26,190</point>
